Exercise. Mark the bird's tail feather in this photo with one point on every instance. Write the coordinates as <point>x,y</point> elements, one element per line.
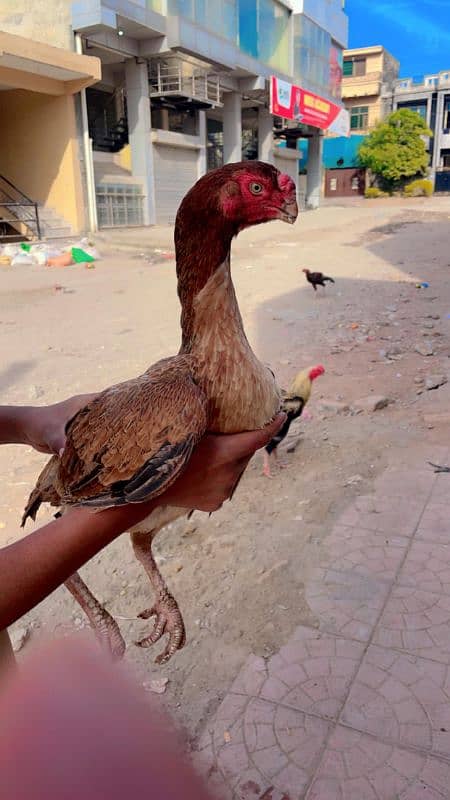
<point>44,491</point>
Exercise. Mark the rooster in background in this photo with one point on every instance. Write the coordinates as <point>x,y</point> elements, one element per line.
<point>317,279</point>
<point>293,403</point>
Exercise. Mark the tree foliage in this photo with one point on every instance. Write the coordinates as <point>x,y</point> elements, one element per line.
<point>395,150</point>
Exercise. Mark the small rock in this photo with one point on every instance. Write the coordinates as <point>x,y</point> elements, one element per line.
<point>268,573</point>
<point>35,392</point>
<point>372,403</point>
<point>434,381</point>
<point>335,406</point>
<point>424,349</point>
<point>418,379</point>
<point>353,480</point>
<point>428,325</point>
<point>391,308</point>
<point>157,686</point>
<point>393,352</point>
<point>19,637</point>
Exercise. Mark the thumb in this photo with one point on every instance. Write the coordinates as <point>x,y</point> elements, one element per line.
<point>254,440</point>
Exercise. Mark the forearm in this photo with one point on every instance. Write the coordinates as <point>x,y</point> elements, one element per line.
<point>35,566</point>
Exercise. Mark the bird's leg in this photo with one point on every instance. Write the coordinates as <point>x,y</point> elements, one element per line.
<point>165,608</point>
<point>266,468</point>
<point>104,626</point>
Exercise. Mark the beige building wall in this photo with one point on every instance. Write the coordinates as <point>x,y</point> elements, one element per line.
<point>39,150</point>
<point>46,21</point>
<point>371,88</point>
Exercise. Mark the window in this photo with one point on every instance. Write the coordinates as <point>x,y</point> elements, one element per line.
<point>333,184</point>
<point>359,118</point>
<point>348,69</point>
<point>355,184</point>
<point>354,68</point>
<point>419,108</point>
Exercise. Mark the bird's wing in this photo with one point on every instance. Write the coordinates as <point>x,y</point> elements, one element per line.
<point>133,440</point>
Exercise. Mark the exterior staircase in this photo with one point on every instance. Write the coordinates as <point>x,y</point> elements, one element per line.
<point>22,219</point>
<point>19,215</point>
<point>53,226</point>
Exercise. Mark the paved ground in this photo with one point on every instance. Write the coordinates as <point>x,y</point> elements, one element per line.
<point>358,709</point>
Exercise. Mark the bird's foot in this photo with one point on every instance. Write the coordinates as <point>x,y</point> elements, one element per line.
<point>168,620</point>
<point>266,471</point>
<point>108,634</point>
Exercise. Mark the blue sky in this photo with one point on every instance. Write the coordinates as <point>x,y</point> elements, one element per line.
<point>416,32</point>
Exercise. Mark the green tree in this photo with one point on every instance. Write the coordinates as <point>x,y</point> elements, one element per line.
<point>395,150</point>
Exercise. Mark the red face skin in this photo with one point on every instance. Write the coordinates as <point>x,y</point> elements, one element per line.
<point>316,372</point>
<point>252,199</point>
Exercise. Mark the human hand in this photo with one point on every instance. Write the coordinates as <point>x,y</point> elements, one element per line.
<point>44,426</point>
<point>216,466</point>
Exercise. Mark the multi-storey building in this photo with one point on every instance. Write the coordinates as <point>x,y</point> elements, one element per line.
<point>369,75</point>
<point>185,88</point>
<point>181,86</point>
<point>41,75</point>
<point>368,81</point>
<point>429,96</point>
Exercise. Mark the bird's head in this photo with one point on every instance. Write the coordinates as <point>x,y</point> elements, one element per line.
<point>316,372</point>
<point>254,192</point>
<point>239,195</point>
<point>306,271</point>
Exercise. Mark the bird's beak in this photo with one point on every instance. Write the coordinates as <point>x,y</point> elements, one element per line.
<point>288,211</point>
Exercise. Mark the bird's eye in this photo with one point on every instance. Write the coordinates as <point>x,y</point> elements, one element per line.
<point>256,188</point>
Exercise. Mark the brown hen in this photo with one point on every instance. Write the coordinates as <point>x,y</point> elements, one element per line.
<point>134,439</point>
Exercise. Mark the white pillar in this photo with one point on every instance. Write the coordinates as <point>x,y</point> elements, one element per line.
<point>265,135</point>
<point>314,171</point>
<point>232,127</point>
<point>87,153</point>
<point>202,164</point>
<point>438,128</point>
<point>140,133</point>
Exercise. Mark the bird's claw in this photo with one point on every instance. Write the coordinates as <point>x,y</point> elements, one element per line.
<point>168,620</point>
<point>109,636</point>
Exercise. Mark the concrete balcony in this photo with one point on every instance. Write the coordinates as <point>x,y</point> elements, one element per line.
<point>136,17</point>
<point>368,85</point>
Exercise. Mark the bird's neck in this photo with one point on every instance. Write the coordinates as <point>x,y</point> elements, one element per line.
<point>201,251</point>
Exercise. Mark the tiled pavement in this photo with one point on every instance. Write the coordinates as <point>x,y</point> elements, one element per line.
<point>358,709</point>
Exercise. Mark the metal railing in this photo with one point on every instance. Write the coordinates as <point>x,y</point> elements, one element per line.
<point>174,77</point>
<point>21,211</point>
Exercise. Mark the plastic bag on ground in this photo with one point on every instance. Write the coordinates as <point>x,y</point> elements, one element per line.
<point>22,259</point>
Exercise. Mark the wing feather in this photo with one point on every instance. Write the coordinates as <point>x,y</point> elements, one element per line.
<point>134,439</point>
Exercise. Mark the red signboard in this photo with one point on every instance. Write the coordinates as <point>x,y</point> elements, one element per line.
<point>293,102</point>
